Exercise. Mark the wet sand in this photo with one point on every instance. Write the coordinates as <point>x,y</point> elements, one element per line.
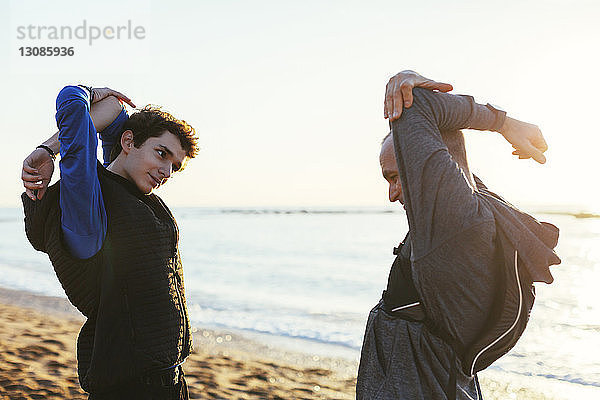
<point>37,361</point>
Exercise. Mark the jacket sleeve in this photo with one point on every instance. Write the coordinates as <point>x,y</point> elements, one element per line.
<point>83,216</point>
<point>111,134</point>
<point>439,199</point>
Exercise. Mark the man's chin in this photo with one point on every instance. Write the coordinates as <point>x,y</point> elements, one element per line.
<point>146,189</point>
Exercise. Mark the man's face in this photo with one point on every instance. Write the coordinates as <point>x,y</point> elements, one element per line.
<point>150,165</point>
<point>389,168</point>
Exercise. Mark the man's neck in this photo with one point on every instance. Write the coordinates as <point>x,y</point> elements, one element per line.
<point>116,167</point>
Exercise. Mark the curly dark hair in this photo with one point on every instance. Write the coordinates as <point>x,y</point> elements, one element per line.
<point>152,121</point>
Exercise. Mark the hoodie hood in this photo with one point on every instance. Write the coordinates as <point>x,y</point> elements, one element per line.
<point>534,240</point>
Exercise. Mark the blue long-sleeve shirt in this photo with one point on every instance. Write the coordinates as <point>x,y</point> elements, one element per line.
<point>83,219</point>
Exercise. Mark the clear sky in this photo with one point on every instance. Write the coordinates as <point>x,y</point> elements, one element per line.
<point>287,96</point>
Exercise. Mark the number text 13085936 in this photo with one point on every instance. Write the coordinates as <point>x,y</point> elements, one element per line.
<point>48,51</point>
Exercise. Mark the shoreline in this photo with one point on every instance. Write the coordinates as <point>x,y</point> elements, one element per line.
<point>37,360</point>
<point>215,340</point>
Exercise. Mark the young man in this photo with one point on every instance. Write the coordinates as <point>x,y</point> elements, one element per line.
<point>460,289</point>
<point>114,244</point>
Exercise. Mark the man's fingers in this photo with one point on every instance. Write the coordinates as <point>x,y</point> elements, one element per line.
<point>534,153</point>
<point>444,87</point>
<point>398,95</point>
<point>521,156</point>
<point>540,143</point>
<point>121,96</point>
<point>30,174</point>
<point>529,151</point>
<point>102,93</point>
<point>25,176</point>
<point>29,169</point>
<point>388,102</point>
<point>433,85</point>
<point>406,89</point>
<point>539,157</point>
<point>395,97</point>
<point>41,192</point>
<point>33,185</point>
<point>30,194</point>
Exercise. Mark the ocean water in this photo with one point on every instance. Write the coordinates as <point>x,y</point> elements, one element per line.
<point>314,275</point>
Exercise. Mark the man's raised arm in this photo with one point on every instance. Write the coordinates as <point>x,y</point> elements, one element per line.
<point>38,167</point>
<point>83,217</point>
<point>526,139</point>
<point>439,200</point>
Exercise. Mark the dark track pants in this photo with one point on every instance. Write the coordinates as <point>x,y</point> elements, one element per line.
<point>143,391</point>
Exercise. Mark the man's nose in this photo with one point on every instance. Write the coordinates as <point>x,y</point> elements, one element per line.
<point>396,191</point>
<point>393,193</point>
<point>166,170</point>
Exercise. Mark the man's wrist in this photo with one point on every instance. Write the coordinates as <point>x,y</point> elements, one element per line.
<point>48,150</point>
<point>52,143</point>
<point>90,90</point>
<point>499,119</point>
<point>505,125</point>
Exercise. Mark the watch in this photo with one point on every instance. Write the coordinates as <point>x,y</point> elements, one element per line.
<point>90,90</point>
<point>500,117</point>
<point>49,150</point>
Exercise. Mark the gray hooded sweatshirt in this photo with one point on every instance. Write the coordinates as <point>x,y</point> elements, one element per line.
<point>453,259</point>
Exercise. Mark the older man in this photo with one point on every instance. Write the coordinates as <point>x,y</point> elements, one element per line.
<point>460,288</point>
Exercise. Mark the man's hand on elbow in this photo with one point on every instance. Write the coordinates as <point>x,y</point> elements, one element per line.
<point>99,94</point>
<point>398,91</point>
<point>106,106</point>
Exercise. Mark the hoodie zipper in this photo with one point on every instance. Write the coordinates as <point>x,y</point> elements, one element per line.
<point>513,324</point>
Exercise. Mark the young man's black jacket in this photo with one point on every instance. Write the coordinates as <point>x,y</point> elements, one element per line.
<point>131,291</point>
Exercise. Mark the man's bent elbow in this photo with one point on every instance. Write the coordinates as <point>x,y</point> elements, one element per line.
<point>420,109</point>
<point>423,97</point>
<point>71,94</point>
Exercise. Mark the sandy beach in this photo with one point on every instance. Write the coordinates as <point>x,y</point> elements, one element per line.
<point>37,361</point>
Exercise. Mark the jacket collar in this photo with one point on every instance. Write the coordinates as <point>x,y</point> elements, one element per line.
<point>127,184</point>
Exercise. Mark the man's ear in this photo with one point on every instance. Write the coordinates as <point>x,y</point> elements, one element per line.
<point>127,141</point>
